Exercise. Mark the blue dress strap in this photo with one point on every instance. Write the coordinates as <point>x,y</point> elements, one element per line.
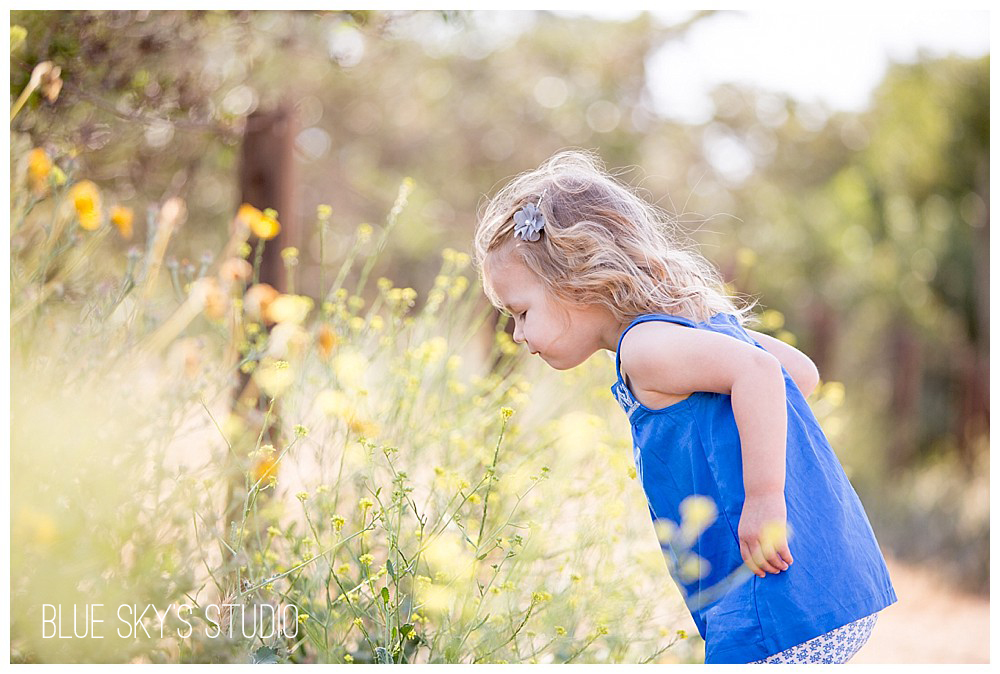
<point>645,318</point>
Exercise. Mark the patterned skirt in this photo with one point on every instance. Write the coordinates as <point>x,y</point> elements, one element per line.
<point>835,647</point>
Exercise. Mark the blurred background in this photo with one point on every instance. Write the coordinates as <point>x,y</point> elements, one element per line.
<point>835,166</point>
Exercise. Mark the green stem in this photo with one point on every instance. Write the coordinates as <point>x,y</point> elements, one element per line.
<point>489,485</point>
<point>257,260</point>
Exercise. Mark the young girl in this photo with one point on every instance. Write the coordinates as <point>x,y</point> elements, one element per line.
<point>717,412</point>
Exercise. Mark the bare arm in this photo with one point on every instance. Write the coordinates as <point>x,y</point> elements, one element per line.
<point>799,366</point>
<point>673,359</point>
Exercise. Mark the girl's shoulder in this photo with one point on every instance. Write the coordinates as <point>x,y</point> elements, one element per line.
<point>670,357</point>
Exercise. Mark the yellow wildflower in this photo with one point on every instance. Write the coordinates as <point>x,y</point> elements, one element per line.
<point>787,337</point>
<point>121,217</point>
<point>17,37</point>
<point>366,559</point>
<point>249,216</point>
<point>772,320</point>
<point>458,286</point>
<point>350,368</point>
<point>264,469</point>
<point>87,201</point>
<point>746,257</point>
<point>274,377</point>
<point>39,168</point>
<point>833,392</point>
<point>267,226</point>
<point>693,567</point>
<point>288,309</point>
<point>257,300</point>
<point>665,529</point>
<point>697,512</point>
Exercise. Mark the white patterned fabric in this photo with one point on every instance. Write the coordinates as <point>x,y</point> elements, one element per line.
<point>833,648</point>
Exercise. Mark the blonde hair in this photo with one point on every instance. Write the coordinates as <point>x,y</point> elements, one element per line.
<point>602,244</point>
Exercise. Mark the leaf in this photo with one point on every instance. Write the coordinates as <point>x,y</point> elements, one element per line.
<point>382,656</point>
<point>406,630</point>
<point>385,595</point>
<point>391,569</point>
<point>264,656</point>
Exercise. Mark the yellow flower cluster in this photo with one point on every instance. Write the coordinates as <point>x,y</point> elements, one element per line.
<point>263,224</point>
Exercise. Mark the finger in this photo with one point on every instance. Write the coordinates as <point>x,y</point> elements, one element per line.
<point>760,560</point>
<point>775,560</point>
<point>748,559</point>
<point>786,555</point>
<point>772,557</point>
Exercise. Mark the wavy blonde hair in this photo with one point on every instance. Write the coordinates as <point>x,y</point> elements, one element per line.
<point>602,244</point>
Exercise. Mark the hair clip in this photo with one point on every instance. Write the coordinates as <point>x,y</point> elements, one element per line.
<point>529,221</point>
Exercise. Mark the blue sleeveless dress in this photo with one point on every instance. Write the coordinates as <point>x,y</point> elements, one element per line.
<point>692,448</point>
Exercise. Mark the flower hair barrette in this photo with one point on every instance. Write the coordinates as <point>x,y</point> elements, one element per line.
<point>529,221</point>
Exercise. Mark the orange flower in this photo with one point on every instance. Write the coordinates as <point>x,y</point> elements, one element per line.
<point>39,168</point>
<point>263,224</point>
<point>248,215</point>
<point>265,468</point>
<point>326,340</point>
<point>121,217</point>
<point>267,226</point>
<point>87,202</point>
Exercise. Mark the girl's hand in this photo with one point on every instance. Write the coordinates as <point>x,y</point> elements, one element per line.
<point>763,533</point>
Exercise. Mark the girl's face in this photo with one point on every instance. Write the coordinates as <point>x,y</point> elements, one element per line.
<point>563,334</point>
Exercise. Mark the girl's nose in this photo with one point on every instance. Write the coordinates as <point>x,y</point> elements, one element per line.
<point>518,333</point>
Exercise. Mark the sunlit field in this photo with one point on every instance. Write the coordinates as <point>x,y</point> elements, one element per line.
<point>356,463</point>
<point>384,486</point>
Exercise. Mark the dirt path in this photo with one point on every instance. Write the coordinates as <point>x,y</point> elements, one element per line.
<point>931,622</point>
